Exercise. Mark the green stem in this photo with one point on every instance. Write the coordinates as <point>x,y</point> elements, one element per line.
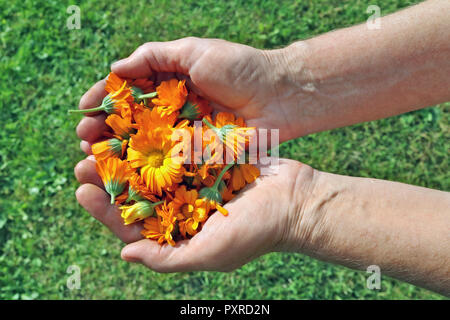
<point>113,197</point>
<point>148,95</point>
<point>100,108</point>
<point>205,121</point>
<point>219,177</point>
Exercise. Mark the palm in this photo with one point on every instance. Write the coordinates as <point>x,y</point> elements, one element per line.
<point>253,226</point>
<point>256,224</point>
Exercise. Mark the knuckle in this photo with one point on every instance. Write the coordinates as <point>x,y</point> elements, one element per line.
<point>79,193</point>
<point>77,171</point>
<point>143,48</point>
<point>191,39</point>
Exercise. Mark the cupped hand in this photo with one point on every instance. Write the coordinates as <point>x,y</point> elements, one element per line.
<point>245,81</point>
<point>237,79</point>
<point>264,217</point>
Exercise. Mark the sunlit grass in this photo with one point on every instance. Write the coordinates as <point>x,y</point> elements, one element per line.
<point>44,70</point>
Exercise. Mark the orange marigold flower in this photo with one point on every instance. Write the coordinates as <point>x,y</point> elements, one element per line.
<point>153,229</point>
<point>117,101</point>
<point>119,98</point>
<point>227,194</point>
<point>211,195</point>
<point>226,118</point>
<point>200,214</point>
<point>162,228</point>
<point>151,119</point>
<point>242,174</point>
<point>109,148</point>
<point>152,152</point>
<point>113,83</point>
<point>171,95</point>
<point>203,175</point>
<point>184,202</point>
<point>228,131</point>
<point>146,85</point>
<point>114,174</point>
<point>121,126</point>
<point>195,108</point>
<point>186,226</point>
<point>137,190</point>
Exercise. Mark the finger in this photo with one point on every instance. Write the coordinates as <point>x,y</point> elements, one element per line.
<point>164,76</point>
<point>162,258</point>
<point>191,86</point>
<point>93,97</point>
<point>171,56</point>
<point>198,253</point>
<point>86,147</point>
<point>97,203</point>
<point>92,128</point>
<point>85,172</point>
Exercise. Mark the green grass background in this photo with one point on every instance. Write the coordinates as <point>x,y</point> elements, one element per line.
<point>44,70</point>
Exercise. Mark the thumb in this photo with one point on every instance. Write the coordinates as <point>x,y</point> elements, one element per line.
<point>162,258</point>
<point>171,56</point>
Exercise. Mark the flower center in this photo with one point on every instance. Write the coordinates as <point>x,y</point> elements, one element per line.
<point>187,209</point>
<point>155,159</point>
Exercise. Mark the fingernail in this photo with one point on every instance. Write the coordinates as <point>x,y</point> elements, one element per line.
<point>91,157</point>
<point>127,255</point>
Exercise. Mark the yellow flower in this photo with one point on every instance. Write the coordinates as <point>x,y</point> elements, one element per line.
<point>114,174</point>
<point>151,151</point>
<point>109,149</point>
<point>138,211</point>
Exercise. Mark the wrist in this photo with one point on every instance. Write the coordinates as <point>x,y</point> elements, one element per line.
<point>299,221</point>
<point>296,87</point>
<point>308,218</point>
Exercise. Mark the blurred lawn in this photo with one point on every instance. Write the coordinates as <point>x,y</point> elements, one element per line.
<point>45,68</point>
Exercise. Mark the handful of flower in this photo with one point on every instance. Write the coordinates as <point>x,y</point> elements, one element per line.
<point>153,165</point>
